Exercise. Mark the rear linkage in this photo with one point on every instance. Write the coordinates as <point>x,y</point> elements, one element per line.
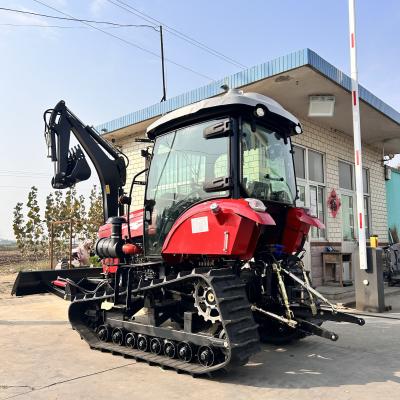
<point>297,316</point>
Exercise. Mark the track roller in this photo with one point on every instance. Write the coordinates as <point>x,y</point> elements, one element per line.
<point>156,346</point>
<point>170,349</point>
<point>185,352</point>
<point>142,342</point>
<point>130,340</point>
<point>206,356</point>
<point>118,336</point>
<point>103,333</point>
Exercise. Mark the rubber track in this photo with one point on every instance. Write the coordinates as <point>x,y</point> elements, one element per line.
<point>236,317</point>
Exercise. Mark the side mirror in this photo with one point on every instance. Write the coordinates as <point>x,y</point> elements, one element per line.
<point>222,128</point>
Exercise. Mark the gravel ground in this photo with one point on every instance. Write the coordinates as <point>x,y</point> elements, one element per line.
<point>42,358</point>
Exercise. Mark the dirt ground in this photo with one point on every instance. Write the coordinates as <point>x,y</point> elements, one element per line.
<point>43,358</point>
<point>6,283</point>
<point>11,262</point>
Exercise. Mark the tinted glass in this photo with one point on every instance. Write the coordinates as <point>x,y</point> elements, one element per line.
<point>267,165</point>
<point>365,181</point>
<point>299,162</point>
<point>347,217</point>
<point>366,216</point>
<point>345,175</point>
<point>315,166</point>
<point>183,160</point>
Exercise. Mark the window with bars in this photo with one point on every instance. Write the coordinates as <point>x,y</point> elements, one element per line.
<point>348,198</point>
<point>310,174</point>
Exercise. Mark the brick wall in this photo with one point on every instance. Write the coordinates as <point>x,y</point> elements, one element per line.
<point>338,146</point>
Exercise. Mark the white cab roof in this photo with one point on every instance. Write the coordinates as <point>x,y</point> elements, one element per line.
<point>232,97</point>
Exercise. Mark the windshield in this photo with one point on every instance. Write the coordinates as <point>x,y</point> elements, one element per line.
<point>183,160</point>
<point>267,165</point>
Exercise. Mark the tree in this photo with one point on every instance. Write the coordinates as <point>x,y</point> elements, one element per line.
<point>19,227</point>
<point>95,216</point>
<point>34,232</point>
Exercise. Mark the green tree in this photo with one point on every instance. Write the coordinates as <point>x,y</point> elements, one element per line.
<point>19,228</point>
<point>95,216</point>
<point>79,216</point>
<point>34,231</point>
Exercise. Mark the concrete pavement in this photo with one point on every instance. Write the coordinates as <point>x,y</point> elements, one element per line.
<point>42,358</point>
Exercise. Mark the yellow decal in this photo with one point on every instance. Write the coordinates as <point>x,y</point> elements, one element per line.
<point>108,189</point>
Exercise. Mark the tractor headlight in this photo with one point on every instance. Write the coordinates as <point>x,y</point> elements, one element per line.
<point>256,205</point>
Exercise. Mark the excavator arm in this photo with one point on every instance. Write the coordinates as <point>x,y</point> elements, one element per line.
<point>70,164</point>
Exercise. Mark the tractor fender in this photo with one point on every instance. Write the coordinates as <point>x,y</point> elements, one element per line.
<point>217,227</point>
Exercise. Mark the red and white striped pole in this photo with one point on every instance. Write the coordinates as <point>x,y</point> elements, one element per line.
<point>357,138</point>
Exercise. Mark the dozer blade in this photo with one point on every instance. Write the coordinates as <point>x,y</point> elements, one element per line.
<point>35,282</point>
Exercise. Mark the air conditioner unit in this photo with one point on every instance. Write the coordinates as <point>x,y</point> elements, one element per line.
<point>321,106</point>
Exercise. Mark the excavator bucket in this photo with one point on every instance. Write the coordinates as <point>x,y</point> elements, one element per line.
<point>54,281</point>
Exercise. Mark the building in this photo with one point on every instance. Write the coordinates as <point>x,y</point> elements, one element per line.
<point>323,153</point>
<point>393,201</point>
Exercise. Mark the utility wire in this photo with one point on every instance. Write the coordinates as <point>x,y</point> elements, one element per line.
<point>10,171</point>
<point>23,176</point>
<point>129,42</point>
<point>127,7</point>
<point>59,26</point>
<point>74,19</point>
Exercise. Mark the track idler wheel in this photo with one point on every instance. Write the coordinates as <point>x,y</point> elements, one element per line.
<point>117,336</point>
<point>130,340</point>
<point>185,352</point>
<point>169,349</point>
<point>142,343</point>
<point>156,346</point>
<point>103,333</point>
<point>206,356</point>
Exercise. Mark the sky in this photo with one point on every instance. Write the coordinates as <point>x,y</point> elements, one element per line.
<point>101,77</point>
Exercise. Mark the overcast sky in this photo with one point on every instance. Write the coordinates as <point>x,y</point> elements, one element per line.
<point>102,78</point>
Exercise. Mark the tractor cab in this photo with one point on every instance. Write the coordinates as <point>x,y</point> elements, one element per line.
<point>236,146</point>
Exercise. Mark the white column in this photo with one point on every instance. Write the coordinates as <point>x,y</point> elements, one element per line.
<point>357,138</point>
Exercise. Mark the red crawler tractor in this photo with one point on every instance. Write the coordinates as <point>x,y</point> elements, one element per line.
<point>213,262</point>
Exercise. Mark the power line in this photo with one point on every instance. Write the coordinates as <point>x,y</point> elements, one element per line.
<point>177,33</point>
<point>23,176</point>
<point>74,19</point>
<point>10,171</point>
<point>129,43</point>
<point>58,26</point>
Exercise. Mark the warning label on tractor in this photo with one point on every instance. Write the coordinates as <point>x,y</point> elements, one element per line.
<point>199,224</point>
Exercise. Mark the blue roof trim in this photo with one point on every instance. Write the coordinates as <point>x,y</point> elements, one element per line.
<point>247,76</point>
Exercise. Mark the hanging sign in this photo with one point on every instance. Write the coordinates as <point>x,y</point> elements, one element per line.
<point>333,203</point>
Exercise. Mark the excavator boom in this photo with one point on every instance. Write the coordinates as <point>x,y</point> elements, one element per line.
<point>70,164</point>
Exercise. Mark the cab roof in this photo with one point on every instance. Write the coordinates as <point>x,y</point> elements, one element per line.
<point>233,97</point>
